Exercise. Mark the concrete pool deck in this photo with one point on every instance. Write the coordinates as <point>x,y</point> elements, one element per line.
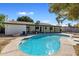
<point>66,48</point>
<point>11,49</point>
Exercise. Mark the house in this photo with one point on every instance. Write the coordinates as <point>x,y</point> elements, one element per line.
<point>13,27</point>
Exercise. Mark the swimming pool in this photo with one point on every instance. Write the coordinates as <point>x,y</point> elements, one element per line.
<point>41,44</point>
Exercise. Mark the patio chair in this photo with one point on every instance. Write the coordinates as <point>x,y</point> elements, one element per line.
<point>16,34</point>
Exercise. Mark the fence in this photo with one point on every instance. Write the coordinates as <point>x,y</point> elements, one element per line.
<point>70,29</point>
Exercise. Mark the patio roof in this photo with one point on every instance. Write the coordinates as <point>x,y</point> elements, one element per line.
<point>19,22</point>
<point>28,23</point>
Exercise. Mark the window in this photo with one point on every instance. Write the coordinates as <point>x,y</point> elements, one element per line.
<point>27,27</point>
<point>37,27</point>
<point>50,28</point>
<point>45,27</point>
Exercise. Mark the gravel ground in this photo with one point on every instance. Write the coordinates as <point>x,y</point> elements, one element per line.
<point>76,47</point>
<point>4,41</point>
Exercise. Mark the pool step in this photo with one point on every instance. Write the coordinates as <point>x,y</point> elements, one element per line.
<point>76,40</point>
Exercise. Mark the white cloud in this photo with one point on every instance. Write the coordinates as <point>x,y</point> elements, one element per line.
<point>22,13</point>
<point>31,13</point>
<point>25,13</point>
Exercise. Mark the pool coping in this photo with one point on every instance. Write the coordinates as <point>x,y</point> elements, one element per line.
<point>13,47</point>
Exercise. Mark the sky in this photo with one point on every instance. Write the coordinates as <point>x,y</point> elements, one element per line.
<point>37,11</point>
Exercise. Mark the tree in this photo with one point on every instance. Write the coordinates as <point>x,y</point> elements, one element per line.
<point>57,9</point>
<point>76,25</point>
<point>37,22</point>
<point>59,19</point>
<point>2,19</point>
<point>69,25</point>
<point>69,11</point>
<point>25,19</point>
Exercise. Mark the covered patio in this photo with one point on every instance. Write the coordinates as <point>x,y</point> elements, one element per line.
<point>43,29</point>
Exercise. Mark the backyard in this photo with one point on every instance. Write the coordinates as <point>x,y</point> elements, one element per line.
<point>47,35</point>
<point>4,41</point>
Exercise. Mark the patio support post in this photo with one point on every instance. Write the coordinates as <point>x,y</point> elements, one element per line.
<point>43,28</point>
<point>35,29</point>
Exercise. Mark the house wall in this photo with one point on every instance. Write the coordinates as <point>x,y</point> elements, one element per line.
<point>11,29</point>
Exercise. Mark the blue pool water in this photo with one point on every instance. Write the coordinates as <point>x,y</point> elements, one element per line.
<point>41,44</point>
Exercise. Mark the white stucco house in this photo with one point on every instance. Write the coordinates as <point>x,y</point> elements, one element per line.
<point>13,27</point>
